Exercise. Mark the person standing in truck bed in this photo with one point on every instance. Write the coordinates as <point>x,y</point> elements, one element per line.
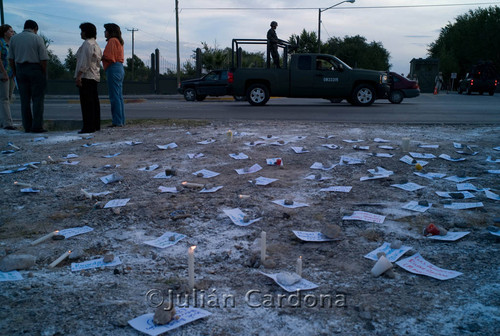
<point>272,44</point>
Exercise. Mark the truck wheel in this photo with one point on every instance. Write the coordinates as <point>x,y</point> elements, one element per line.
<point>258,94</point>
<point>396,97</point>
<point>363,95</point>
<point>190,94</point>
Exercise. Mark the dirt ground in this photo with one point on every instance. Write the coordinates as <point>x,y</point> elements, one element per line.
<point>101,301</point>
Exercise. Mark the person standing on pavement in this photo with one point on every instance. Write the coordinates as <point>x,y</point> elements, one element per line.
<point>88,59</point>
<point>272,44</point>
<point>28,59</point>
<point>439,82</point>
<point>112,61</point>
<point>6,78</point>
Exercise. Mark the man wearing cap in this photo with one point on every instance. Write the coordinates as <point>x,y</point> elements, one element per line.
<point>28,59</point>
<point>272,44</point>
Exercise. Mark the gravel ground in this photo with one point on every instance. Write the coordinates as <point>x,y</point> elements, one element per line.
<point>101,301</point>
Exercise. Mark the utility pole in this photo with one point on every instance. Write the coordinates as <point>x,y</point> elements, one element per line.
<point>177,41</point>
<point>133,30</point>
<point>1,10</point>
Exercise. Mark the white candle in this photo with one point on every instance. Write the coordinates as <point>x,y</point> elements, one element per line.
<point>298,269</point>
<point>230,136</point>
<point>61,258</point>
<point>244,196</point>
<point>192,185</point>
<point>22,184</point>
<point>50,158</point>
<point>263,246</point>
<point>47,236</point>
<point>191,267</point>
<point>86,193</point>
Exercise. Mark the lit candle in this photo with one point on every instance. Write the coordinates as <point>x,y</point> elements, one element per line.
<point>44,238</point>
<point>50,158</point>
<point>192,185</point>
<point>61,258</point>
<point>230,136</point>
<point>263,246</point>
<point>22,184</point>
<point>298,269</point>
<point>244,196</point>
<point>191,267</point>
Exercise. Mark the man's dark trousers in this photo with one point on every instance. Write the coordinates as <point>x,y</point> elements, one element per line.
<point>31,82</point>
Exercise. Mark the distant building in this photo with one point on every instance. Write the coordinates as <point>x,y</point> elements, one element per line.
<point>425,69</point>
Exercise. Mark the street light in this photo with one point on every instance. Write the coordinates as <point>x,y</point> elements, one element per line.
<point>319,20</point>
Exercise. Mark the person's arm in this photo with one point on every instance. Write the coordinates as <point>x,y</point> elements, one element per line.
<point>12,66</point>
<point>5,75</point>
<point>44,66</point>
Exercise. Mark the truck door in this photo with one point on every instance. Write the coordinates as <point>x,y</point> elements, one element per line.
<point>214,83</point>
<point>330,78</point>
<point>301,81</point>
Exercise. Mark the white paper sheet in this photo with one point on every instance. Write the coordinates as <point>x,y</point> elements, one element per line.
<point>166,240</point>
<point>162,175</point>
<point>312,236</point>
<point>237,216</point>
<point>449,158</point>
<point>320,166</point>
<point>67,233</point>
<point>211,190</point>
<point>365,216</point>
<point>450,236</point>
<point>430,176</point>
<point>489,159</point>
<point>418,265</point>
<point>303,284</point>
<point>350,160</point>
<point>491,195</point>
<point>196,156</point>
<point>345,189</point>
<point>293,206</point>
<point>10,276</point>
<point>381,140</point>
<point>391,254</point>
<point>111,155</point>
<point>299,150</point>
<point>111,178</point>
<point>353,140</point>
<point>167,146</point>
<point>29,190</point>
<point>206,173</point>
<point>274,162</point>
<point>422,155</point>
<point>206,142</point>
<point>466,194</point>
<point>144,323</point>
<point>411,161</point>
<point>428,146</point>
<point>117,203</point>
<point>149,168</point>
<point>240,156</point>
<point>264,180</point>
<point>457,179</point>
<point>386,147</point>
<point>414,206</point>
<point>163,189</point>
<point>331,146</point>
<point>253,169</point>
<point>75,267</point>
<point>410,186</point>
<point>70,163</point>
<point>70,156</point>
<point>467,187</point>
<point>464,206</point>
<point>133,143</point>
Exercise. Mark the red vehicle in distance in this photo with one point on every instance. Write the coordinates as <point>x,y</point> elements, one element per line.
<point>402,88</point>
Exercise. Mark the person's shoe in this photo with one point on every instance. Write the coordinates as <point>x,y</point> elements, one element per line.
<point>38,130</point>
<point>10,128</point>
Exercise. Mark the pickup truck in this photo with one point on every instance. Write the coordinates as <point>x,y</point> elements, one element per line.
<point>307,76</point>
<point>474,82</point>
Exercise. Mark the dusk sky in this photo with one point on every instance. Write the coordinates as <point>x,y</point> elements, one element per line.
<point>404,27</point>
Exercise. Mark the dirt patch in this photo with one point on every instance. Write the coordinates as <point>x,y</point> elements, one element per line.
<point>101,301</point>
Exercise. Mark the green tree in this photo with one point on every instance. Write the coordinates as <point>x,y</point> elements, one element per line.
<point>70,61</point>
<point>141,71</point>
<point>55,69</point>
<point>306,42</point>
<point>355,51</point>
<point>213,58</point>
<point>471,39</point>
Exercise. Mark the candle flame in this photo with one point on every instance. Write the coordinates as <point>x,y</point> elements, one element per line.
<point>193,247</point>
<point>300,257</point>
<point>69,251</point>
<point>56,231</point>
<point>184,183</point>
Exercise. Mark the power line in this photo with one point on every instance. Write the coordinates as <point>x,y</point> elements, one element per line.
<point>342,8</point>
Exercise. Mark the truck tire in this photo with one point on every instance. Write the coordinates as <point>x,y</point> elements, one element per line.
<point>363,95</point>
<point>258,94</point>
<point>396,97</point>
<point>190,94</point>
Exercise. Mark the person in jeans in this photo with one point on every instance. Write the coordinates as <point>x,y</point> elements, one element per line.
<point>28,59</point>
<point>6,78</point>
<point>88,59</point>
<point>112,61</point>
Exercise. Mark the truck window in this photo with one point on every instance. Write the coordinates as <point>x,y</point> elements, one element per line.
<point>304,62</point>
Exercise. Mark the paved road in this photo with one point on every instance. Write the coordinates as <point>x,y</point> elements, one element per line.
<point>427,109</point>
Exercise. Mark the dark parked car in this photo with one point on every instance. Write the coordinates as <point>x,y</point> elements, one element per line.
<point>476,82</point>
<point>402,88</point>
<point>214,83</point>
